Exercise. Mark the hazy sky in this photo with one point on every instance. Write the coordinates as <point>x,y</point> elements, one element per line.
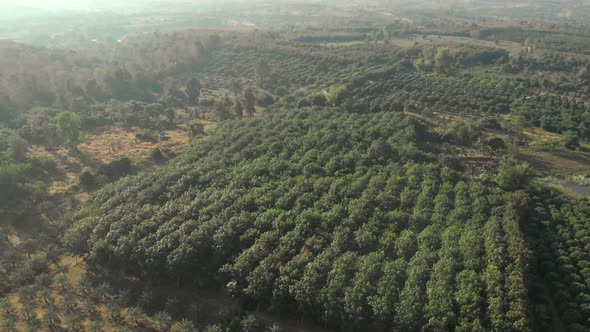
<point>97,4</point>
<point>74,4</point>
<point>53,4</point>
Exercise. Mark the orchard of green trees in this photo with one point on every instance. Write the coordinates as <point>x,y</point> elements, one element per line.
<point>346,219</point>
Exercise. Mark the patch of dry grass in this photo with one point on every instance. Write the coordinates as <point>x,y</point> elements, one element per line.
<point>103,148</point>
<point>14,240</point>
<point>119,142</point>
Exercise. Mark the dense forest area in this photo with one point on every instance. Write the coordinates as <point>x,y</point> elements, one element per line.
<point>372,172</point>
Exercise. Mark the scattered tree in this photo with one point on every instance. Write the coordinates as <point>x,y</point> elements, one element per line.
<point>69,128</point>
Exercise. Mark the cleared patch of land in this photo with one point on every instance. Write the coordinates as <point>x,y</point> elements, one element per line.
<point>119,142</point>
<point>99,149</point>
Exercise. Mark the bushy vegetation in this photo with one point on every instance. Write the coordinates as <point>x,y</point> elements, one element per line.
<point>21,175</point>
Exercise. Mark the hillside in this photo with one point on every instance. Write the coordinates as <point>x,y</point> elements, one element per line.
<point>382,170</point>
<point>342,217</point>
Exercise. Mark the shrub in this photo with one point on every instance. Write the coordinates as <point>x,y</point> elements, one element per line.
<point>513,175</point>
<point>463,133</point>
<point>43,162</point>
<point>264,99</point>
<point>496,143</point>
<point>87,180</point>
<point>157,155</point>
<point>281,91</point>
<point>571,140</point>
<point>117,168</point>
<point>146,135</point>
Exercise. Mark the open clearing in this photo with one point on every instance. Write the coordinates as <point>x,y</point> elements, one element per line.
<point>100,149</point>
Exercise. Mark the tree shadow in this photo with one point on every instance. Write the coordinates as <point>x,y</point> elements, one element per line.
<point>546,303</point>
<point>87,160</point>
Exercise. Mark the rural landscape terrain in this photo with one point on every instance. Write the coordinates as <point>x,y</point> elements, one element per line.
<point>363,165</point>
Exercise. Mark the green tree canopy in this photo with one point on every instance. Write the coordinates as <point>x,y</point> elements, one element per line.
<point>513,175</point>
<point>69,126</point>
